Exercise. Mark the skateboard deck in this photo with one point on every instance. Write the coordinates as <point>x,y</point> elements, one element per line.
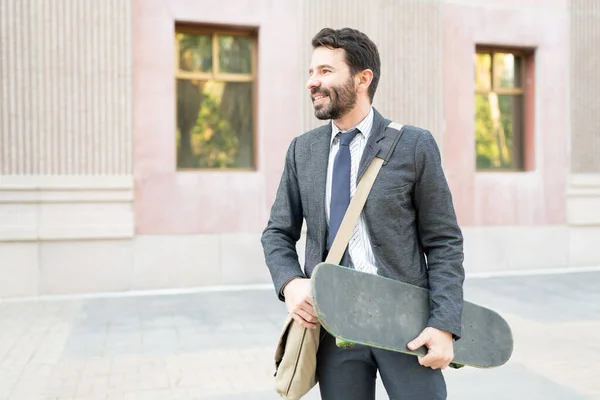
<point>361,308</point>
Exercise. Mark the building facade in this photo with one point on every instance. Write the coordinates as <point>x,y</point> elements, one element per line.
<point>142,141</point>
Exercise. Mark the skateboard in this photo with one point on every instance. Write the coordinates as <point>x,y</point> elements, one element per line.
<point>361,308</point>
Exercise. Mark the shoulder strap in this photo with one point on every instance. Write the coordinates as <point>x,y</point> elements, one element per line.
<point>387,145</point>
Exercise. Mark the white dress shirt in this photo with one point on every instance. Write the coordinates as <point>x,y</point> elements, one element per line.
<point>359,246</point>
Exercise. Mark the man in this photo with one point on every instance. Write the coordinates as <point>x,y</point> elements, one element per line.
<point>407,231</point>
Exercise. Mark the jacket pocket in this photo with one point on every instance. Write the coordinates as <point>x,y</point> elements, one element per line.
<point>386,192</point>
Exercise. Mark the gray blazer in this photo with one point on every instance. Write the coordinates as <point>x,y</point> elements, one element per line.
<point>409,216</point>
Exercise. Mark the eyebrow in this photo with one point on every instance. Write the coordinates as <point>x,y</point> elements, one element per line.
<point>321,67</point>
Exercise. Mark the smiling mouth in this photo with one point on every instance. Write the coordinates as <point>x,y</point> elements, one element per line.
<point>319,99</point>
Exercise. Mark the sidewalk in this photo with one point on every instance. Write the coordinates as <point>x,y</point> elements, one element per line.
<point>219,346</point>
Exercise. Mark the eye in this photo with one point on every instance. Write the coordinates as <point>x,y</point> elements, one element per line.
<point>326,71</point>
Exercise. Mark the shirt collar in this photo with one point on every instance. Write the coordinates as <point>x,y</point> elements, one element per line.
<point>363,126</point>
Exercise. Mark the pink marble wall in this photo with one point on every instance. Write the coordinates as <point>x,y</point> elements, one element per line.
<point>192,202</point>
<point>187,202</point>
<point>537,196</point>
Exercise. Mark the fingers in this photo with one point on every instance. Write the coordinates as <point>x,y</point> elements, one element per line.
<point>428,360</point>
<point>309,300</point>
<point>439,348</point>
<point>306,312</point>
<point>299,303</point>
<point>441,363</point>
<point>421,340</point>
<point>303,322</point>
<point>306,316</point>
<point>297,294</point>
<point>307,308</point>
<point>435,360</point>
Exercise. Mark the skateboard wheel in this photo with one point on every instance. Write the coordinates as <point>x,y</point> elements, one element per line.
<point>455,365</point>
<point>343,344</point>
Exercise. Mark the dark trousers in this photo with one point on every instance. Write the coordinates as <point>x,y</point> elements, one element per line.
<point>349,374</point>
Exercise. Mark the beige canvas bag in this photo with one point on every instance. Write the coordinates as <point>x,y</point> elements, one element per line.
<point>296,352</point>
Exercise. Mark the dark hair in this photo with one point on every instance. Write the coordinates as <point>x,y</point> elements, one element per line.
<point>361,52</point>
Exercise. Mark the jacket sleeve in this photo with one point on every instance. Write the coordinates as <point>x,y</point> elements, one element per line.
<point>440,237</point>
<point>284,228</point>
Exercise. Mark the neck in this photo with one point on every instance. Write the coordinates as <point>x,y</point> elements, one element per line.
<point>354,116</point>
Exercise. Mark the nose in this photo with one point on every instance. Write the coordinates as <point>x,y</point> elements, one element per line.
<point>312,83</point>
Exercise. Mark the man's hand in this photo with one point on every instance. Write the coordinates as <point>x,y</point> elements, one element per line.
<point>299,303</point>
<point>440,348</point>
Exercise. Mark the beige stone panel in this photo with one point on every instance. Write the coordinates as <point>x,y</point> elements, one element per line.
<point>583,210</point>
<point>176,261</point>
<point>65,207</point>
<point>19,274</point>
<point>65,220</point>
<point>515,248</point>
<point>583,200</point>
<point>85,220</point>
<point>584,246</point>
<point>242,259</point>
<point>18,221</point>
<point>68,267</point>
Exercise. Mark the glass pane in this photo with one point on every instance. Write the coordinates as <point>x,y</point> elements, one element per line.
<point>507,70</point>
<point>195,52</point>
<point>483,71</point>
<point>214,124</point>
<point>498,127</point>
<point>235,54</point>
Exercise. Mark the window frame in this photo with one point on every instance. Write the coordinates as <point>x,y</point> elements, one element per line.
<point>215,74</point>
<point>520,162</point>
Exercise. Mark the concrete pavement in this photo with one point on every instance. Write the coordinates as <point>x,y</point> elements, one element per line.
<point>219,345</point>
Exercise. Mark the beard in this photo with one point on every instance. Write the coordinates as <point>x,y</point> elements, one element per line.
<point>342,99</point>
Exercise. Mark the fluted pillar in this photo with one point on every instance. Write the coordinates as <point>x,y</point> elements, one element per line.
<point>65,119</point>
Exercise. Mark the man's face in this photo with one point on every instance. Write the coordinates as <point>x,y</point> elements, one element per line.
<point>331,86</point>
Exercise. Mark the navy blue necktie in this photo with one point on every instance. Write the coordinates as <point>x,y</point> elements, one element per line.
<point>340,188</point>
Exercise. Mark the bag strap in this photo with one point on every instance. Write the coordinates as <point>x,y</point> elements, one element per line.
<point>362,192</point>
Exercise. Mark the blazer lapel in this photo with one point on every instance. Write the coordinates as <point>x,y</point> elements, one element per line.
<point>372,147</point>
<point>320,158</point>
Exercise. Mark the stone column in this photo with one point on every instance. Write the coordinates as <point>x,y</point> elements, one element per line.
<point>65,142</point>
<point>408,34</point>
<point>583,193</point>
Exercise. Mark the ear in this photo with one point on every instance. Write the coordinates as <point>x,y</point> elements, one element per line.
<point>363,80</point>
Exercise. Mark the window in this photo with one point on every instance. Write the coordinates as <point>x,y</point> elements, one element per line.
<point>215,99</point>
<point>500,109</point>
